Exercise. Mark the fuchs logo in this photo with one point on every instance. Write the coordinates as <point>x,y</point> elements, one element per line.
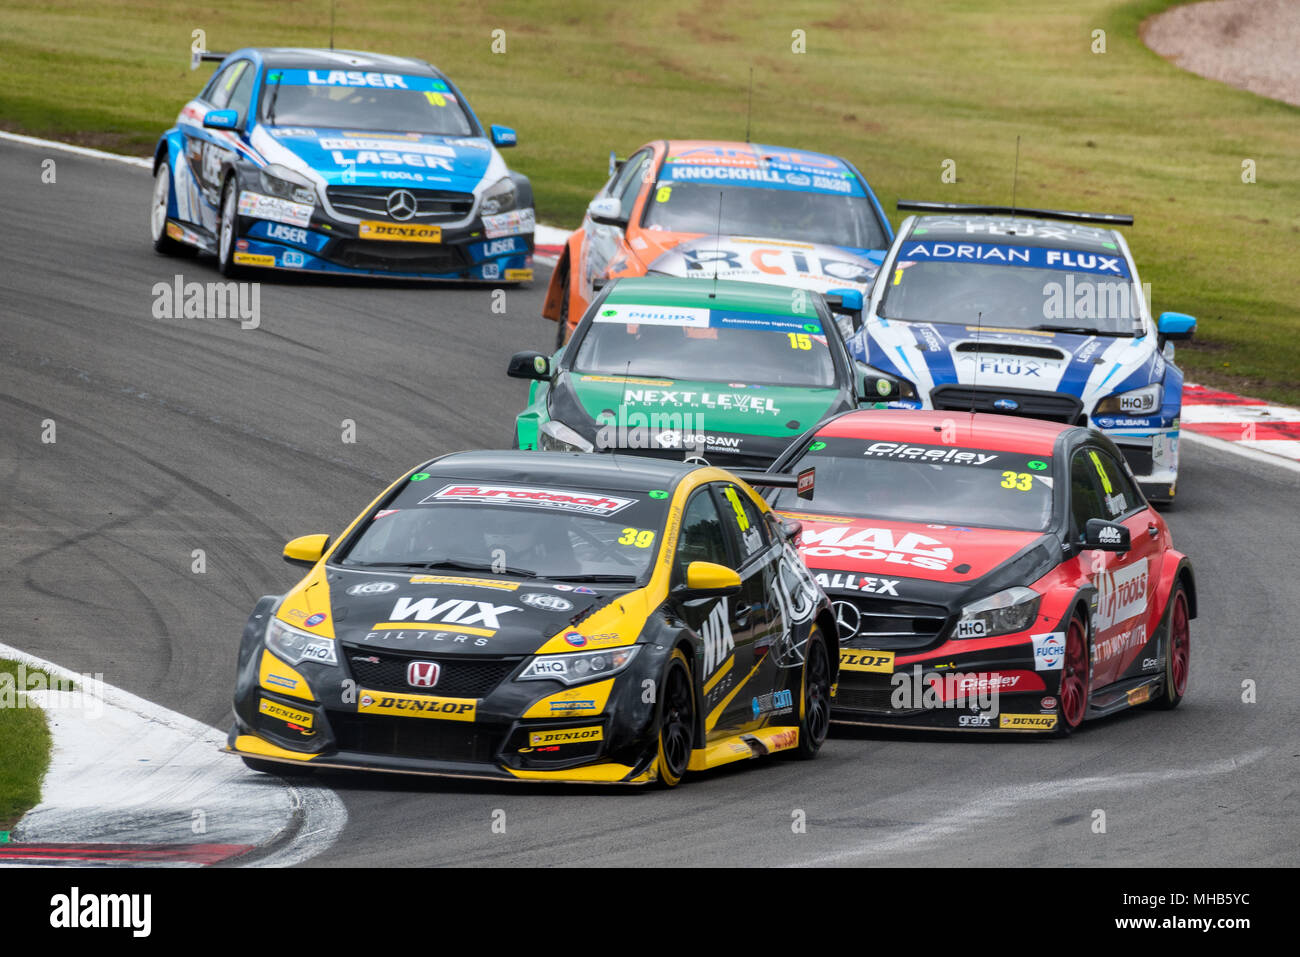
<point>372,588</point>
<point>1049,651</point>
<point>546,602</point>
<point>452,611</point>
<point>422,674</point>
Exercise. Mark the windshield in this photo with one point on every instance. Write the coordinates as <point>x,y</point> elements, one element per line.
<point>1030,294</point>
<point>681,342</point>
<point>942,484</point>
<point>754,211</point>
<point>512,528</point>
<point>360,100</point>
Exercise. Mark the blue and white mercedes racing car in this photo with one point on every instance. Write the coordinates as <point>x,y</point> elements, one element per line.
<point>340,162</point>
<point>1032,313</point>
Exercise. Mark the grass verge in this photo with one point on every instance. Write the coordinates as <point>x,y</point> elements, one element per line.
<point>24,744</point>
<point>901,89</point>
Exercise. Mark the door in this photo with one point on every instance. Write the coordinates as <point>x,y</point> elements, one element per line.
<point>603,242</point>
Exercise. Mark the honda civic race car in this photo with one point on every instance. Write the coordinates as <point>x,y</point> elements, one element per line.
<point>989,573</point>
<point>549,617</point>
<point>340,162</point>
<point>713,209</point>
<point>1032,313</point>
<point>727,372</point>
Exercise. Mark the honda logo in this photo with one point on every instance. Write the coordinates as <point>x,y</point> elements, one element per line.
<point>422,674</point>
<point>401,204</point>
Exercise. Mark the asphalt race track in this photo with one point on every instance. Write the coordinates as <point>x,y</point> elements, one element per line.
<point>181,434</point>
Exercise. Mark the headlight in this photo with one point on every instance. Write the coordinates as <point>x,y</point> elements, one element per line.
<point>499,197</point>
<point>283,182</point>
<point>578,666</point>
<point>1008,611</point>
<point>1142,401</point>
<point>886,386</point>
<point>558,437</point>
<point>296,646</point>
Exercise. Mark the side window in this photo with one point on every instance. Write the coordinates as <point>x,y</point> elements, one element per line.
<point>701,539</point>
<point>628,184</point>
<point>1118,494</point>
<point>743,522</point>
<point>224,84</point>
<point>1085,492</point>
<point>242,94</point>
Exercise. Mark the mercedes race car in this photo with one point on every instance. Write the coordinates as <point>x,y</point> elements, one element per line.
<point>334,161</point>
<point>1033,313</point>
<point>708,209</point>
<point>727,373</point>
<point>989,572</point>
<point>547,617</point>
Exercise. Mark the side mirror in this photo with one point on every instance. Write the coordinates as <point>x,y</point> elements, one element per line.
<point>306,550</point>
<point>529,365</point>
<point>606,211</point>
<point>792,527</point>
<point>1106,536</point>
<point>1175,325</point>
<point>221,120</point>
<point>708,580</point>
<point>504,136</point>
<point>845,300</point>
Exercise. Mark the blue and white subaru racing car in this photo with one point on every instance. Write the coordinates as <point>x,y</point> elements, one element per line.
<point>1030,312</point>
<point>334,161</point>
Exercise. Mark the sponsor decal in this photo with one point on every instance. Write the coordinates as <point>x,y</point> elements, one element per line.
<point>1110,536</point>
<point>386,632</point>
<point>452,611</point>
<point>261,206</point>
<point>1048,703</point>
<point>292,259</point>
<point>422,674</point>
<point>975,720</point>
<point>514,223</point>
<point>290,715</point>
<point>715,634</point>
<point>1000,254</point>
<point>1049,651</point>
<point>566,736</point>
<point>358,143</point>
<point>567,500</point>
<point>546,601</point>
<point>280,681</point>
<point>315,620</point>
<point>876,544</point>
<point>972,628</point>
<point>776,702</point>
<point>417,706</point>
<point>578,704</point>
<point>457,580</point>
<point>1121,594</point>
<point>1139,695</point>
<point>518,275</point>
<point>253,259</point>
<point>929,454</point>
<point>1151,664</point>
<point>1027,722</point>
<point>372,588</point>
<point>879,662</point>
<point>400,232</point>
<point>576,638</point>
<point>632,315</point>
<point>286,234</point>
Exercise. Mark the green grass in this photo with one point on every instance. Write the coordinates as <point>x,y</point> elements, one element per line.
<point>24,747</point>
<point>898,88</point>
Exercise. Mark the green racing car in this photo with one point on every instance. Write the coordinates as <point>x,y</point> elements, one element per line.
<point>720,373</point>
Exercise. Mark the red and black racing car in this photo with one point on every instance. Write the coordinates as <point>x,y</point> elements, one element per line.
<point>989,572</point>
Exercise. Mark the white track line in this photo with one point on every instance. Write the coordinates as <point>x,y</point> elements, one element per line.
<point>136,772</point>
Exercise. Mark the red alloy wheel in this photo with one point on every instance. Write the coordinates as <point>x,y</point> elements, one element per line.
<point>1074,677</point>
<point>1180,644</point>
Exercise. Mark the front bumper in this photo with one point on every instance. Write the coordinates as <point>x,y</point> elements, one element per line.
<point>1151,454</point>
<point>306,240</point>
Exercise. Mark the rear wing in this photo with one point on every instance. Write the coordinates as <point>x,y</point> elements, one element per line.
<point>201,56</point>
<point>801,483</point>
<point>1073,216</point>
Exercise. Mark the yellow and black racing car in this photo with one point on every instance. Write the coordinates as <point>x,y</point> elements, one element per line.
<point>542,616</point>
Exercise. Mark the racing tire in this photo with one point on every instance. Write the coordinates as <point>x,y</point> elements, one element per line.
<point>276,767</point>
<point>162,191</point>
<point>562,326</point>
<point>815,698</point>
<point>676,721</point>
<point>1178,657</point>
<point>1076,679</point>
<point>228,229</point>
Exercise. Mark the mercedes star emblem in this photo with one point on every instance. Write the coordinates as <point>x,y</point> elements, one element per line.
<point>401,204</point>
<point>847,618</point>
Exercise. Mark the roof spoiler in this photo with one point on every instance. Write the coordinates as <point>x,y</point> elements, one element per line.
<point>801,483</point>
<point>199,56</point>
<point>1108,219</point>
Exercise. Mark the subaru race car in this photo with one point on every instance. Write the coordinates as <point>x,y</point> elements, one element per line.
<point>989,572</point>
<point>727,373</point>
<point>1031,313</point>
<point>545,617</point>
<point>334,161</point>
<point>709,209</point>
